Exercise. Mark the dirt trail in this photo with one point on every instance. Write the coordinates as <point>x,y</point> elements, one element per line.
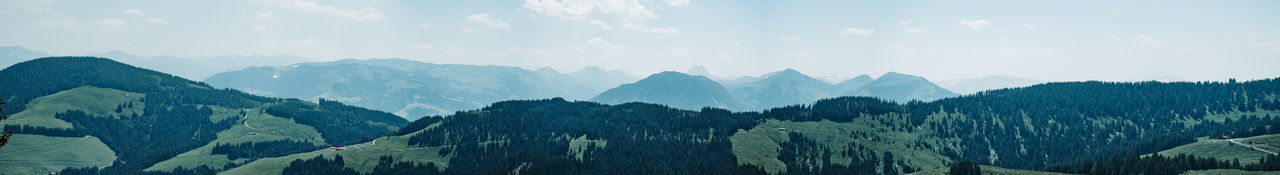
<point>1251,146</point>
<point>46,146</point>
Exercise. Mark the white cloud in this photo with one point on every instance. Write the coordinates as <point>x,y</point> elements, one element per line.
<point>113,23</point>
<point>1144,40</point>
<point>677,2</point>
<point>39,6</point>
<point>368,13</point>
<point>262,16</point>
<point>519,51</point>
<point>157,20</point>
<point>788,38</point>
<point>430,50</point>
<point>135,12</point>
<point>427,25</point>
<point>658,30</point>
<point>599,45</point>
<point>906,22</point>
<point>1150,42</point>
<point>1260,41</point>
<point>903,48</point>
<point>798,54</point>
<point>912,30</point>
<point>857,31</point>
<point>1028,27</point>
<point>980,24</point>
<point>676,50</point>
<point>486,19</point>
<point>601,24</point>
<point>140,13</point>
<point>1006,51</point>
<point>629,10</point>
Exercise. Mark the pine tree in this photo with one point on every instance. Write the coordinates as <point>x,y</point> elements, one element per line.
<point>4,139</point>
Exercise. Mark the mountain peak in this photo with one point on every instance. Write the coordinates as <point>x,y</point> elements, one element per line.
<point>669,74</point>
<point>698,70</point>
<point>548,69</point>
<point>895,75</point>
<point>591,69</point>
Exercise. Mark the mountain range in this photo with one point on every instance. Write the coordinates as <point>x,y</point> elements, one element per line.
<point>195,68</point>
<point>777,89</point>
<point>413,89</point>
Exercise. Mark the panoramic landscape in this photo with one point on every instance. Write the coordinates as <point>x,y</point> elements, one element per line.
<point>639,87</point>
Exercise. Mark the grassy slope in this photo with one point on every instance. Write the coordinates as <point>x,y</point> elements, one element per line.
<point>760,145</point>
<point>265,127</point>
<point>38,154</point>
<point>988,170</point>
<point>1224,149</point>
<point>62,152</point>
<point>40,111</point>
<point>361,157</point>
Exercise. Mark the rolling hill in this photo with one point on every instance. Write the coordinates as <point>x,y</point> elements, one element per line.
<point>87,113</point>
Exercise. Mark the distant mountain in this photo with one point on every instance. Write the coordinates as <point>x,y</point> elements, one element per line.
<point>599,79</point>
<point>197,68</point>
<point>852,84</point>
<point>901,88</point>
<point>698,70</point>
<point>410,89</point>
<point>674,89</point>
<point>971,85</point>
<point>1161,78</point>
<point>14,54</point>
<point>786,87</point>
<point>86,112</point>
<point>187,67</point>
<point>783,88</point>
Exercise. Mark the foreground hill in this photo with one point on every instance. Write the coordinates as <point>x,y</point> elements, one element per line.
<point>1021,128</point>
<point>406,88</point>
<point>86,112</point>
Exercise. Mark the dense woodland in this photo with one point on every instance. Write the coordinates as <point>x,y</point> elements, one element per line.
<point>255,150</point>
<point>1159,164</point>
<point>338,123</point>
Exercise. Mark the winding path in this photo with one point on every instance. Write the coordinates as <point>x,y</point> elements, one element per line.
<point>1251,146</point>
<point>47,146</point>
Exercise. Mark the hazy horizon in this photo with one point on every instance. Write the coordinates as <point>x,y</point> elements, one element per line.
<point>830,40</point>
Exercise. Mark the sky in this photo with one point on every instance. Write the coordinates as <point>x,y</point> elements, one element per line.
<point>1045,40</point>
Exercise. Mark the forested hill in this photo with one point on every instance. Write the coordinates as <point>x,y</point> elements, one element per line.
<point>1025,128</point>
<point>144,117</point>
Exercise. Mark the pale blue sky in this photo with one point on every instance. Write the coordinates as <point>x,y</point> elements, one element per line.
<point>1048,40</point>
